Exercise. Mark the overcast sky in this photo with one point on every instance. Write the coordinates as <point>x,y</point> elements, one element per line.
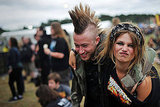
<point>18,13</point>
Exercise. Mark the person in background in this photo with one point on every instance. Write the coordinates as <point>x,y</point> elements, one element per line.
<point>115,21</point>
<point>37,75</point>
<point>50,98</point>
<point>54,80</point>
<point>43,61</point>
<point>59,52</point>
<point>27,57</point>
<point>15,71</point>
<point>151,44</point>
<point>125,46</point>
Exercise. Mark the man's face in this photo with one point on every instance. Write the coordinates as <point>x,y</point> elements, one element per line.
<point>124,49</point>
<point>26,40</point>
<point>37,37</point>
<point>85,44</point>
<point>52,84</point>
<point>39,32</point>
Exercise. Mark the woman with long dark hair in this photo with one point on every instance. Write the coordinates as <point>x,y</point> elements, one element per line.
<point>124,86</point>
<point>15,70</point>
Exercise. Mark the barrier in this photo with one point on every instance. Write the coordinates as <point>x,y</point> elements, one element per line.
<point>3,63</point>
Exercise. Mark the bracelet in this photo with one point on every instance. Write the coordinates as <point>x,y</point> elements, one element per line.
<point>74,51</point>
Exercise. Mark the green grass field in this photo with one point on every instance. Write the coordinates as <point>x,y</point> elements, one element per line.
<point>29,100</point>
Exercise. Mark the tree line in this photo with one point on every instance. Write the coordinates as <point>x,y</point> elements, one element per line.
<point>136,18</point>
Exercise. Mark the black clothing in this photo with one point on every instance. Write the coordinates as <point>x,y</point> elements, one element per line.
<point>45,70</point>
<point>37,58</point>
<point>53,103</point>
<point>44,60</point>
<point>59,45</point>
<point>61,66</point>
<point>117,96</point>
<point>45,39</point>
<point>93,85</point>
<point>26,53</point>
<point>14,57</point>
<point>105,69</point>
<point>16,74</point>
<point>95,96</point>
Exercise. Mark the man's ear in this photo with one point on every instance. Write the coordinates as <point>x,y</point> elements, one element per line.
<point>97,40</point>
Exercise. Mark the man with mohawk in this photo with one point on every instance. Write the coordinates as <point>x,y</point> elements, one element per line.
<point>87,79</point>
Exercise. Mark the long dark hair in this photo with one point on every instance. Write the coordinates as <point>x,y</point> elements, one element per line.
<point>46,95</point>
<point>14,42</point>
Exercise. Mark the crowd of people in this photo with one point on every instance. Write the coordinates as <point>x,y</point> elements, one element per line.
<point>110,67</point>
<point>154,42</point>
<point>46,62</point>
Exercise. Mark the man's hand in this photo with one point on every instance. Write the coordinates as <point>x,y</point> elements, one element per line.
<point>47,51</point>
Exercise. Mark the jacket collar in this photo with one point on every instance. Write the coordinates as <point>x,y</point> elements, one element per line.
<point>80,67</point>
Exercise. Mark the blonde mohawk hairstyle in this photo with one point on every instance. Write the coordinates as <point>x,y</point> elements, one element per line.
<point>82,17</point>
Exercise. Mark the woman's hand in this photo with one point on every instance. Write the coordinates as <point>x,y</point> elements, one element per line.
<point>72,60</point>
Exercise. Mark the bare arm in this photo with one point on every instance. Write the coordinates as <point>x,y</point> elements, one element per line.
<point>72,60</point>
<point>144,89</point>
<point>53,54</point>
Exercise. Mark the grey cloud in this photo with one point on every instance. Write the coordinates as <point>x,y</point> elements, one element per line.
<point>19,12</point>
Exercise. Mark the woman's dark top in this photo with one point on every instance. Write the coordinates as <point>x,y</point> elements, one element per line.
<point>117,96</point>
<point>13,57</point>
<point>59,45</point>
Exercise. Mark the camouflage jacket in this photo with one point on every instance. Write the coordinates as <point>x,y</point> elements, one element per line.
<point>78,83</point>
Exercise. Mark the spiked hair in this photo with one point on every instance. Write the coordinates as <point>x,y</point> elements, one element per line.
<point>82,17</point>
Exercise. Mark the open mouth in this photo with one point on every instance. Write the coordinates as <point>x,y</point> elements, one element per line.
<point>84,55</point>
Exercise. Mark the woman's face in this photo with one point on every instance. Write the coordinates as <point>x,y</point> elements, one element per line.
<point>123,49</point>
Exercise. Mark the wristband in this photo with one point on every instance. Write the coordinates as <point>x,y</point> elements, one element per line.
<point>74,51</point>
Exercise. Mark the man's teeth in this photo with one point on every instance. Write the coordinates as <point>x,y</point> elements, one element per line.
<point>84,54</point>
